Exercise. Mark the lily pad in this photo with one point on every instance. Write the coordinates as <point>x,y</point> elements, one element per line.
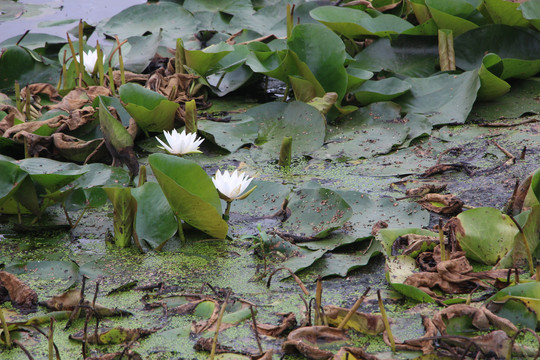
<point>151,111</point>
<point>369,131</point>
<point>173,19</point>
<point>303,122</point>
<point>519,49</point>
<point>414,56</point>
<point>443,99</point>
<point>63,273</point>
<point>354,23</point>
<point>486,235</point>
<point>316,212</point>
<point>381,90</point>
<point>155,221</point>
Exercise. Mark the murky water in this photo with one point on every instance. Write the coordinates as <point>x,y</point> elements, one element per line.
<point>38,15</point>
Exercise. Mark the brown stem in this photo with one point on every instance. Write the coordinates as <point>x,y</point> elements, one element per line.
<point>353,309</point>
<point>296,278</point>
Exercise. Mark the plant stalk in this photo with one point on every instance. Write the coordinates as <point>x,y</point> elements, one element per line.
<point>218,325</point>
<point>5,327</point>
<point>441,241</point>
<point>386,322</point>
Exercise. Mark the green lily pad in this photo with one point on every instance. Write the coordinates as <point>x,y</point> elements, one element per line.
<point>519,49</point>
<point>204,61</point>
<point>316,212</point>
<point>381,90</point>
<point>303,122</point>
<point>155,221</point>
<point>531,11</point>
<point>171,18</point>
<point>151,111</point>
<point>521,99</point>
<point>459,16</point>
<point>369,131</point>
<point>491,86</point>
<point>486,235</point>
<point>443,99</point>
<point>335,264</point>
<point>60,273</point>
<point>324,54</point>
<point>302,259</point>
<point>505,12</point>
<point>415,56</point>
<point>354,23</point>
<point>33,41</point>
<point>26,67</point>
<point>230,136</point>
<point>190,192</point>
<point>139,51</point>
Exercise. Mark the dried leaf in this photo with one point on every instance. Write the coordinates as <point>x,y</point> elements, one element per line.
<point>441,204</point>
<point>370,324</point>
<point>21,295</point>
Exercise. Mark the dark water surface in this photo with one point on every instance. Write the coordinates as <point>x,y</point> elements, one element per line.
<point>37,15</point>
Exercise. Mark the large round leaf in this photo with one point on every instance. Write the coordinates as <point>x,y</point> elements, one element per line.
<point>152,17</point>
<point>485,234</point>
<point>457,15</point>
<point>316,212</point>
<point>302,122</point>
<point>25,66</point>
<point>190,192</point>
<point>443,99</point>
<point>416,56</point>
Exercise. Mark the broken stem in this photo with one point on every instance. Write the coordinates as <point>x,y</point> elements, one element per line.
<point>51,340</point>
<point>441,241</point>
<point>257,337</point>
<point>386,322</point>
<point>318,296</point>
<point>296,278</point>
<point>353,309</point>
<point>218,325</point>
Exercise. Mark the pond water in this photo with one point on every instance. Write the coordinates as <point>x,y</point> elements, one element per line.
<point>55,17</point>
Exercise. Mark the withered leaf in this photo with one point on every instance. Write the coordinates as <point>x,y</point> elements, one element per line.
<point>21,295</point>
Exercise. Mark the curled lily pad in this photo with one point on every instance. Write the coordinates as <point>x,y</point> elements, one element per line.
<point>190,192</point>
<point>354,23</point>
<point>151,111</point>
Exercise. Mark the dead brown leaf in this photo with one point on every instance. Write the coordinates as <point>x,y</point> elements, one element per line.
<point>425,189</point>
<point>21,295</point>
<point>288,322</point>
<point>302,340</point>
<point>365,323</point>
<point>441,204</point>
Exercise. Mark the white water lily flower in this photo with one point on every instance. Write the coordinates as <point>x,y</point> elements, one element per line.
<point>181,144</point>
<point>90,59</point>
<point>232,186</point>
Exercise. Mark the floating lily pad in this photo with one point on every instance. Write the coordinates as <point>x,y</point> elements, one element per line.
<point>367,132</point>
<point>173,19</point>
<point>316,212</point>
<point>415,56</point>
<point>381,90</point>
<point>59,273</point>
<point>443,99</point>
<point>303,122</point>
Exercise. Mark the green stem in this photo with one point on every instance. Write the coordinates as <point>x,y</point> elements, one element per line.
<point>227,210</point>
<point>181,232</point>
<point>6,330</point>
<point>386,322</point>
